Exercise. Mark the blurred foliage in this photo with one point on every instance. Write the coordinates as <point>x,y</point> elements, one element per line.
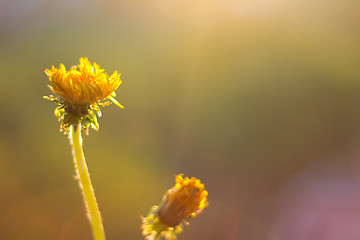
<point>240,94</point>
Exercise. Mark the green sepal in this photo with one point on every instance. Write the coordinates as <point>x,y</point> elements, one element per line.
<point>69,114</point>
<point>152,226</point>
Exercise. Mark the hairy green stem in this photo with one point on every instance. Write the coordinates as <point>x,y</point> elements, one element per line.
<point>83,177</point>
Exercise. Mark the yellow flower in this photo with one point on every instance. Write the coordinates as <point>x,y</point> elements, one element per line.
<point>185,200</point>
<point>81,90</point>
<point>87,85</point>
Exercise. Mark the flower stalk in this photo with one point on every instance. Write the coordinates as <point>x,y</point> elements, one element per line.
<point>79,93</point>
<point>83,177</point>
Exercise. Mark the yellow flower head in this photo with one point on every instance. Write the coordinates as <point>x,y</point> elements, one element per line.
<point>185,200</point>
<point>81,90</point>
<point>87,85</point>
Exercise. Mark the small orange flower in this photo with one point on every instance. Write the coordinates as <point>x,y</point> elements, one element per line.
<point>185,200</point>
<point>81,90</point>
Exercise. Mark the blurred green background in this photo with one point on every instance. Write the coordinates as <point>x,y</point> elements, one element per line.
<point>240,94</point>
